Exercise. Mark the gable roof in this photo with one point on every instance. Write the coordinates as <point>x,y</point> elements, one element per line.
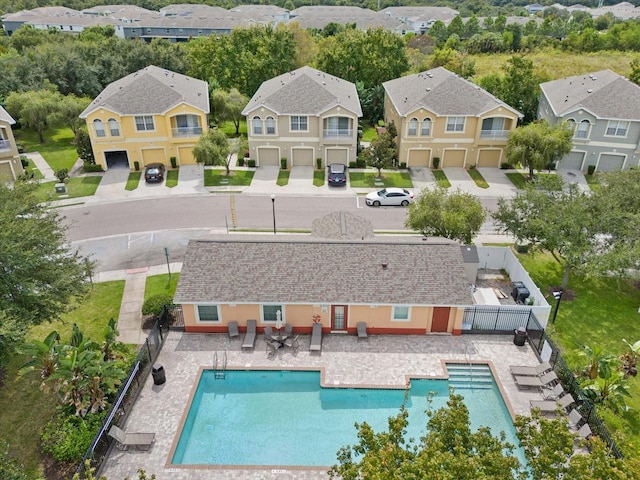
<point>605,94</point>
<point>5,117</point>
<point>150,91</point>
<point>305,91</point>
<point>294,269</point>
<point>441,92</point>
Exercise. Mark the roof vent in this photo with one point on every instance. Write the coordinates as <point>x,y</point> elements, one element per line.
<point>589,91</point>
<point>384,265</point>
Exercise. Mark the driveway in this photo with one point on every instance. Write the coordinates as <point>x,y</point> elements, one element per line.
<point>576,177</point>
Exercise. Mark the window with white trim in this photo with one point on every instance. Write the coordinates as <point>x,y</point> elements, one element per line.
<point>617,128</point>
<point>426,127</point>
<point>412,128</point>
<point>401,313</point>
<point>455,124</point>
<point>208,313</point>
<point>256,122</point>
<point>98,127</point>
<point>144,123</point>
<point>270,126</point>
<point>114,128</point>
<point>299,123</point>
<point>270,312</point>
<point>582,130</point>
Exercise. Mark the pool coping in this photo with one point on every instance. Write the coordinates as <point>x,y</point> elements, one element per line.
<point>323,384</point>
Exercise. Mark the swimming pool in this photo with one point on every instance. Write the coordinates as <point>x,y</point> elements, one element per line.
<point>285,418</point>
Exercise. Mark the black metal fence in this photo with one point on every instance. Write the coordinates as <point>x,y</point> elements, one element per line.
<point>126,397</point>
<point>498,319</point>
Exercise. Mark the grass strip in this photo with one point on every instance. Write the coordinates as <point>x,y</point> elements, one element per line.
<point>283,177</point>
<point>76,187</point>
<point>133,181</point>
<point>172,178</point>
<point>593,181</point>
<point>517,179</point>
<point>478,178</point>
<point>318,178</point>
<point>216,178</point>
<point>441,179</point>
<point>388,179</point>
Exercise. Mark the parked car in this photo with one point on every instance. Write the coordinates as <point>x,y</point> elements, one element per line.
<point>390,196</point>
<point>337,174</point>
<point>154,172</point>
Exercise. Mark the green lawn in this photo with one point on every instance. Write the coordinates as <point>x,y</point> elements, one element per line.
<point>76,187</point>
<point>283,177</point>
<point>58,149</point>
<point>603,313</point>
<point>229,128</point>
<point>31,169</point>
<point>214,178</point>
<point>172,178</point>
<point>478,178</point>
<point>30,407</point>
<point>159,284</point>
<point>318,178</point>
<point>389,179</point>
<point>441,179</point>
<point>517,179</point>
<point>368,132</point>
<point>133,181</point>
<point>593,181</point>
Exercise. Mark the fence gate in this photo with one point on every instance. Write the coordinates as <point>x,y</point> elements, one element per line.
<point>495,319</point>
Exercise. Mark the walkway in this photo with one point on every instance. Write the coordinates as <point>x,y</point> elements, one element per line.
<point>42,165</point>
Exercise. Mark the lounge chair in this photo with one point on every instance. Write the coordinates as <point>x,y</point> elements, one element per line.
<point>250,337</point>
<point>142,441</point>
<point>575,419</point>
<point>584,432</point>
<point>316,337</point>
<point>292,342</point>
<point>538,370</point>
<point>288,329</point>
<point>273,346</point>
<point>553,394</point>
<point>233,329</point>
<point>553,405</point>
<point>362,330</point>
<point>545,380</point>
<point>268,333</point>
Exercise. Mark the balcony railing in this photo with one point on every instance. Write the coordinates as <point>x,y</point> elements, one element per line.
<point>495,134</point>
<point>338,133</point>
<point>186,131</point>
<point>5,145</point>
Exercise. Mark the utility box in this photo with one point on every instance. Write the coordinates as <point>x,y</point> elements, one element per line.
<point>61,188</point>
<point>520,292</point>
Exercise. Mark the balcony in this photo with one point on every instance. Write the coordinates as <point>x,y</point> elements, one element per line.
<point>337,134</point>
<point>186,131</point>
<point>5,145</point>
<point>494,134</point>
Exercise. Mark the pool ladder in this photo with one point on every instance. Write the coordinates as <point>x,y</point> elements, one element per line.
<point>219,374</point>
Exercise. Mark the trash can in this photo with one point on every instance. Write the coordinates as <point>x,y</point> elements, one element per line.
<point>519,337</point>
<point>158,374</point>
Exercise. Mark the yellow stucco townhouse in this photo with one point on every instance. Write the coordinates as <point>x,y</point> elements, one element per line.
<point>148,117</point>
<point>10,166</point>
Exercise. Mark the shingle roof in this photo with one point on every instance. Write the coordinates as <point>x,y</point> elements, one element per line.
<point>150,91</point>
<point>605,94</point>
<point>441,92</point>
<point>292,269</point>
<point>5,117</point>
<point>305,91</point>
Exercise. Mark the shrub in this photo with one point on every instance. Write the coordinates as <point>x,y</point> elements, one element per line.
<point>154,305</point>
<point>246,154</point>
<point>551,166</point>
<point>436,162</point>
<point>360,163</point>
<point>10,468</point>
<point>591,169</point>
<point>62,175</point>
<point>91,167</point>
<point>67,437</point>
<point>318,163</point>
<point>283,163</point>
<point>136,165</point>
<point>241,162</point>
<point>174,162</point>
<point>251,163</point>
<point>506,166</point>
<point>472,167</point>
<point>352,164</point>
<point>24,160</point>
<point>403,165</point>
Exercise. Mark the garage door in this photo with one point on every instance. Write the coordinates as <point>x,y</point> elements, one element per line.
<point>489,158</point>
<point>153,155</point>
<point>185,156</point>
<point>572,161</point>
<point>419,158</point>
<point>610,163</point>
<point>268,157</point>
<point>337,155</point>
<point>302,157</point>
<point>453,158</point>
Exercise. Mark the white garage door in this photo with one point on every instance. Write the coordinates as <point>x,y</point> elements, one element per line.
<point>572,161</point>
<point>489,158</point>
<point>268,157</point>
<point>302,157</point>
<point>453,158</point>
<point>337,155</point>
<point>610,163</point>
<point>419,158</point>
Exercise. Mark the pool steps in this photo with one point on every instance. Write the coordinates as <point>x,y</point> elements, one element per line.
<point>219,374</point>
<point>470,376</point>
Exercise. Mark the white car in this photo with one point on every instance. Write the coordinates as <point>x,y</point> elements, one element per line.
<point>390,196</point>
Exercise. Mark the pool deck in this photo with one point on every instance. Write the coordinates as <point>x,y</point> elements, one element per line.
<point>380,360</point>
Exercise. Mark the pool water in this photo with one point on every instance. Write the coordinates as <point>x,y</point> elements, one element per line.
<point>285,418</point>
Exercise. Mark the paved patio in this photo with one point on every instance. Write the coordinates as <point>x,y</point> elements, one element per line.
<point>380,360</point>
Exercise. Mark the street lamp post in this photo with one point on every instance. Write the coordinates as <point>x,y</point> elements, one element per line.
<point>558,296</point>
<point>273,208</point>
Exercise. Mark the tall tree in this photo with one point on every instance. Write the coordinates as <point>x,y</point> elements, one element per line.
<point>538,145</point>
<point>83,146</point>
<point>228,105</point>
<point>213,149</point>
<point>36,109</point>
<point>40,274</point>
<point>68,110</point>
<point>381,152</point>
<point>457,215</point>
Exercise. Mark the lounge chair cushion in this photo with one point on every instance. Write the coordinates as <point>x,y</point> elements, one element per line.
<point>141,441</point>
<point>316,337</point>
<point>540,369</point>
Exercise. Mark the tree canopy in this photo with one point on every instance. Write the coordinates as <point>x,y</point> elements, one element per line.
<point>212,148</point>
<point>455,215</point>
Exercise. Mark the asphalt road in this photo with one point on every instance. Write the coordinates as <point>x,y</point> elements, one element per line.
<point>132,234</point>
